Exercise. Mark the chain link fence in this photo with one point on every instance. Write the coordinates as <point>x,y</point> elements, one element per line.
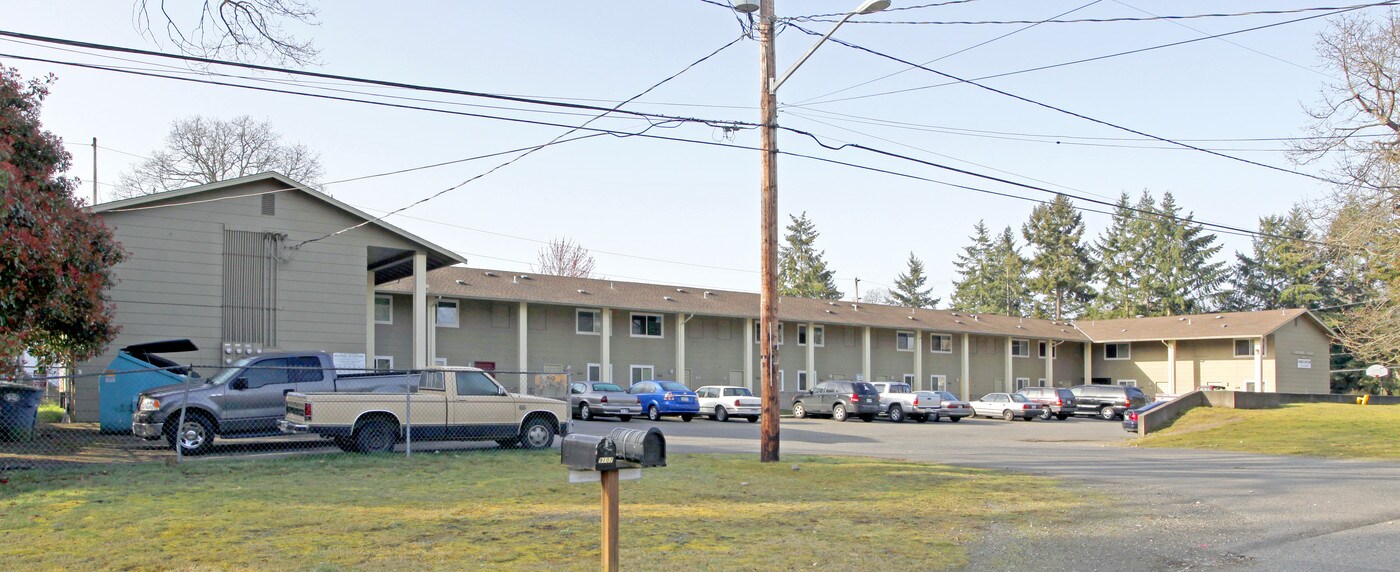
<point>290,406</point>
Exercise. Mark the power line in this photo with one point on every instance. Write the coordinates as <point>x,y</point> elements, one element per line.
<point>1072,113</point>
<point>891,9</point>
<point>824,17</point>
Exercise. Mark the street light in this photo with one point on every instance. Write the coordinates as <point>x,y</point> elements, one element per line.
<point>768,106</point>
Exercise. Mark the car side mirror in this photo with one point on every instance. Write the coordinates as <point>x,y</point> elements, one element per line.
<point>239,384</point>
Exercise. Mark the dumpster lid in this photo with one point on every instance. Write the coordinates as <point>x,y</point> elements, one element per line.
<point>146,352</point>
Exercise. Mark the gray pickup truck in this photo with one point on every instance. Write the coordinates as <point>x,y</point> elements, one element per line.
<point>247,398</point>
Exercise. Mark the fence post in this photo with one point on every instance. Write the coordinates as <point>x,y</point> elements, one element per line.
<point>180,427</point>
<point>408,415</point>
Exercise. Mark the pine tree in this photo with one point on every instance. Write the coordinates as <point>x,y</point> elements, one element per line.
<point>1187,278</point>
<point>802,270</point>
<point>1119,253</point>
<point>1060,262</point>
<point>909,288</point>
<point>1283,270</point>
<point>972,291</point>
<point>1011,296</point>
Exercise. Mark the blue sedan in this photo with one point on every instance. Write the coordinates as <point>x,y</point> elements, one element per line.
<point>1130,417</point>
<point>660,398</point>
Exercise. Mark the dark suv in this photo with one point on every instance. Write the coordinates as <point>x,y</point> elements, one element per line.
<point>1108,401</point>
<point>1059,402</point>
<point>839,399</point>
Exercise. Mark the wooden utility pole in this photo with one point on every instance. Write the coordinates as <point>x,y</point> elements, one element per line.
<point>610,556</point>
<point>768,311</point>
<point>94,170</point>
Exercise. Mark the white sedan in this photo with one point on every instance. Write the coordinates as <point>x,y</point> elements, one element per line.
<point>720,402</point>
<point>1007,406</point>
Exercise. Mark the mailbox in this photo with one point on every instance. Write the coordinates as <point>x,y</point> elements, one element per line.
<point>639,448</point>
<point>589,453</point>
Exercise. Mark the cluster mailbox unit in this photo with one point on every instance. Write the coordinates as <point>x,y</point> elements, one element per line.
<point>620,455</point>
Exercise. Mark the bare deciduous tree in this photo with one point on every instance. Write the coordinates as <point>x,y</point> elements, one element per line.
<point>203,150</point>
<point>242,30</point>
<point>564,257</point>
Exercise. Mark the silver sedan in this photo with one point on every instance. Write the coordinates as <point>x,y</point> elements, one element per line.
<point>1007,406</point>
<point>589,399</point>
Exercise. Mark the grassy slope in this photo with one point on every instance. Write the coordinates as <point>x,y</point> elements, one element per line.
<point>1317,429</point>
<point>507,510</point>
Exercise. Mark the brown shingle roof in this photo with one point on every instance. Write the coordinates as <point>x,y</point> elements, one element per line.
<point>483,284</point>
<point>1194,327</point>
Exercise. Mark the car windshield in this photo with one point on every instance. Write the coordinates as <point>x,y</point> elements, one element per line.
<point>900,388</point>
<point>673,386</point>
<point>606,387</point>
<point>947,396</point>
<point>1019,398</point>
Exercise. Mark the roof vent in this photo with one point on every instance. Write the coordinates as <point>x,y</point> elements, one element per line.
<point>462,283</point>
<point>831,303</point>
<point>514,279</point>
<point>975,318</point>
<point>1181,319</point>
<point>953,314</point>
<point>958,321</point>
<point>855,307</point>
<point>491,274</point>
<point>1020,327</point>
<point>1224,325</point>
<point>1219,317</point>
<point>707,294</point>
<point>681,290</point>
<point>269,204</point>
<point>668,298</point>
<point>831,311</point>
<point>1138,316</point>
<point>524,277</point>
<point>612,286</point>
<point>582,291</point>
<point>913,318</point>
<point>1123,330</point>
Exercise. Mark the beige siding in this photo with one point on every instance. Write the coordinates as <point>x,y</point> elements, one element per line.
<point>1301,339</point>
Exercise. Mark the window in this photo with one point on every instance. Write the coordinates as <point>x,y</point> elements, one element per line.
<point>646,325</point>
<point>938,382</point>
<point>643,373</point>
<point>475,383</point>
<point>782,381</point>
<point>802,380</point>
<point>818,335</point>
<point>1117,351</point>
<point>904,341</point>
<point>447,313</point>
<point>1022,383</point>
<point>1020,348</point>
<point>1251,386</point>
<point>909,379</point>
<point>383,362</point>
<point>940,343</point>
<point>1054,349</point>
<point>1244,348</point>
<point>383,310</point>
<point>268,372</point>
<point>1041,383</point>
<point>595,372</point>
<point>1127,382</point>
<point>758,333</point>
<point>589,322</point>
<point>439,362</point>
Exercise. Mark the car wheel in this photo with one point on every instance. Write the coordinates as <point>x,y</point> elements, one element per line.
<point>536,434</point>
<point>896,413</point>
<point>867,417</point>
<point>1107,413</point>
<point>1062,416</point>
<point>799,410</point>
<point>753,419</point>
<point>953,419</point>
<point>1008,415</point>
<point>720,414</point>
<point>584,412</point>
<point>686,417</point>
<point>838,413</point>
<point>624,418</point>
<point>195,437</point>
<point>1046,414</point>
<point>653,413</point>
<point>377,436</point>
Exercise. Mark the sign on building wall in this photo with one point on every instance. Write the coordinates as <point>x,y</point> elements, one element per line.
<point>1304,363</point>
<point>348,361</point>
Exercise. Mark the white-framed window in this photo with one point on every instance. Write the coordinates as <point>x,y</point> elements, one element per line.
<point>383,309</point>
<point>439,362</point>
<point>818,335</point>
<point>1041,383</point>
<point>1245,347</point>
<point>1251,386</point>
<point>646,325</point>
<point>758,332</point>
<point>1118,351</point>
<point>588,322</point>
<point>804,381</point>
<point>1022,383</point>
<point>1127,382</point>
<point>1021,348</point>
<point>938,382</point>
<point>643,373</point>
<point>782,380</point>
<point>940,343</point>
<point>904,341</point>
<point>594,372</point>
<point>909,379</point>
<point>1041,349</point>
<point>383,362</point>
<point>447,314</point>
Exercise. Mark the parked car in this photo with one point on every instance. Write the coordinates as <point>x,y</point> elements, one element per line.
<point>589,399</point>
<point>839,399</point>
<point>247,398</point>
<point>1059,402</point>
<point>953,409</point>
<point>666,399</point>
<point>899,401</point>
<point>719,402</point>
<point>1108,401</point>
<point>1130,418</point>
<point>462,404</point>
<point>1007,406</point>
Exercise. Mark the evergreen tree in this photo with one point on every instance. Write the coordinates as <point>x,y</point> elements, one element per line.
<point>802,270</point>
<point>1186,278</point>
<point>1282,272</point>
<point>972,291</point>
<point>1011,296</point>
<point>909,287</point>
<point>1061,264</point>
<point>1119,253</point>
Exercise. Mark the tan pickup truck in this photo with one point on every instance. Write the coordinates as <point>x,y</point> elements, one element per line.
<point>461,404</point>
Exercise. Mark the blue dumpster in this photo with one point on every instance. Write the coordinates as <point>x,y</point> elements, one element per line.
<point>19,409</point>
<point>136,369</point>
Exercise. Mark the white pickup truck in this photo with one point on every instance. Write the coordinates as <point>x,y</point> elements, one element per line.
<point>461,404</point>
<point>899,401</point>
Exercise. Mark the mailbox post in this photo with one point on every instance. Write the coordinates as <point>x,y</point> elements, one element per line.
<point>621,455</point>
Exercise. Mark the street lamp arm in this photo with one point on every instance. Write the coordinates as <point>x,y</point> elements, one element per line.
<point>787,74</point>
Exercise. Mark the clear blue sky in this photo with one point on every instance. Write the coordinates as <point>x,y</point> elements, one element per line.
<point>697,206</point>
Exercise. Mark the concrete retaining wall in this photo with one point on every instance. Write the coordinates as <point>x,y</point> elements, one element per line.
<point>1248,400</point>
<point>1163,415</point>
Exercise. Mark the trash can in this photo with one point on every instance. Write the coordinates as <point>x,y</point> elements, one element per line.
<point>19,410</point>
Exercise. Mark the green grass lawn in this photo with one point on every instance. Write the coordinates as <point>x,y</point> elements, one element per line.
<point>1316,429</point>
<point>492,509</point>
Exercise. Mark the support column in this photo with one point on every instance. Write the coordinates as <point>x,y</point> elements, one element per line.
<point>965,384</point>
<point>369,319</point>
<point>1050,362</point>
<point>1010,376</point>
<point>421,323</point>
<point>1088,363</point>
<point>1259,364</point>
<point>865,355</point>
<point>919,360</point>
<point>605,351</point>
<point>748,353</point>
<point>432,329</point>
<point>522,345</point>
<point>1171,366</point>
<point>811,354</point>
<point>680,348</point>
